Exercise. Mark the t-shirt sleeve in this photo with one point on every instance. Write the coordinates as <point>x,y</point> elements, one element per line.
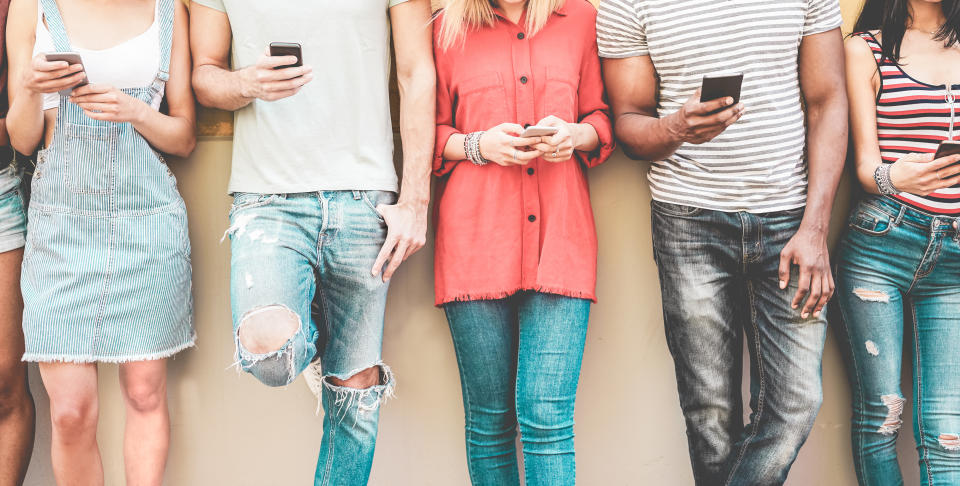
<point>620,29</point>
<point>214,4</point>
<point>394,3</point>
<point>822,15</point>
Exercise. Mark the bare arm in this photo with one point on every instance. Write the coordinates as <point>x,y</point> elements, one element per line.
<point>217,86</point>
<point>822,80</point>
<point>417,77</point>
<point>632,89</point>
<point>172,133</point>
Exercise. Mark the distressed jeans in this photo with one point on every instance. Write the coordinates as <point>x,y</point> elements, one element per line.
<point>307,257</point>
<point>519,360</point>
<point>895,262</point>
<point>719,282</point>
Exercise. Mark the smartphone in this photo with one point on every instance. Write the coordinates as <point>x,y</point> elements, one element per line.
<point>947,148</point>
<point>538,131</point>
<point>70,58</point>
<point>287,49</point>
<point>715,87</point>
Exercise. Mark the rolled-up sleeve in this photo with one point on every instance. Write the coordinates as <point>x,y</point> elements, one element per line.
<point>593,107</point>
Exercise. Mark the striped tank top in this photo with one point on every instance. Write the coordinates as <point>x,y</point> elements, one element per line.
<point>914,117</point>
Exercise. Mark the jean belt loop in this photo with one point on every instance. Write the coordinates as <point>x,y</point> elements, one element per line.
<point>356,195</point>
<point>903,211</point>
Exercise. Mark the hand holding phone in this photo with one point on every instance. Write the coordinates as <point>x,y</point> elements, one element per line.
<point>57,72</point>
<point>699,121</point>
<point>275,77</point>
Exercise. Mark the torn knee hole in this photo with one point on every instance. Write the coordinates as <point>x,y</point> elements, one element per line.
<point>892,423</point>
<point>362,379</point>
<point>950,442</point>
<point>268,329</point>
<point>867,295</point>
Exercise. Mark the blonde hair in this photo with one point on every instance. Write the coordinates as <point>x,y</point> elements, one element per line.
<point>459,16</point>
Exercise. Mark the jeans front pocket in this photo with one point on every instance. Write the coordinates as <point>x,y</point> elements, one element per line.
<point>678,210</point>
<point>372,199</point>
<point>870,220</point>
<point>91,158</point>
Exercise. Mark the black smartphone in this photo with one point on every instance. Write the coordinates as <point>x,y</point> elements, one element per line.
<point>287,49</point>
<point>715,87</point>
<point>70,58</point>
<point>947,148</point>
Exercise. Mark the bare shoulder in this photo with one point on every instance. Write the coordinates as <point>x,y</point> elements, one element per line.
<point>857,49</point>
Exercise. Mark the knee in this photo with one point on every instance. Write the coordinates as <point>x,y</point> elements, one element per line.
<point>74,418</point>
<point>544,420</point>
<point>364,379</point>
<point>145,397</point>
<point>267,329</point>
<point>14,395</point>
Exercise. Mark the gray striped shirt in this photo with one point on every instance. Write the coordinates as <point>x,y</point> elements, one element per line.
<point>758,164</point>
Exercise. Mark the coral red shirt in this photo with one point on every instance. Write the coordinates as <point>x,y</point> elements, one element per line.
<point>505,229</point>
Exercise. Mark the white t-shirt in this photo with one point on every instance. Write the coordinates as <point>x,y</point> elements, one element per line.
<point>336,132</point>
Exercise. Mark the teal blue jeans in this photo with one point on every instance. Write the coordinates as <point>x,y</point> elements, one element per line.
<point>898,283</point>
<point>519,361</point>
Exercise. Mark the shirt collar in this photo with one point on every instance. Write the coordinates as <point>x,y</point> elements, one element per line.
<point>562,11</point>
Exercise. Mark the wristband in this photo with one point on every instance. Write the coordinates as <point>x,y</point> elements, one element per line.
<point>882,177</point>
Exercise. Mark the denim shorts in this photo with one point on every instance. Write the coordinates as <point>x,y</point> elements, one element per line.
<point>13,218</point>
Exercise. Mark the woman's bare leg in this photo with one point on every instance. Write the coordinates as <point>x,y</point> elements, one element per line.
<point>17,414</point>
<point>74,407</point>
<point>147,435</point>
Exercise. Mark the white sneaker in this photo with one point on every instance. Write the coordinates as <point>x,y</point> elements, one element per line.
<point>313,376</point>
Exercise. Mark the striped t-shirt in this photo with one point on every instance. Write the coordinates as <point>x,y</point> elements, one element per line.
<point>914,117</point>
<point>758,164</point>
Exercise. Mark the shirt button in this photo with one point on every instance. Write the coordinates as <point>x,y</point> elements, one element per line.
<point>523,79</point>
<point>520,36</point>
<point>530,171</point>
<point>531,218</point>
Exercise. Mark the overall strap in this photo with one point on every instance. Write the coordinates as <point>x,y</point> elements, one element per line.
<point>58,32</point>
<point>165,9</point>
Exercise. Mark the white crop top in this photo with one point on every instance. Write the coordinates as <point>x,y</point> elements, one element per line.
<point>131,64</point>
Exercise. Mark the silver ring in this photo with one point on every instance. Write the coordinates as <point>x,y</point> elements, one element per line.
<point>555,154</point>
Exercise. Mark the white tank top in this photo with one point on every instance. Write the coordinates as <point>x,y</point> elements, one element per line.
<point>131,64</point>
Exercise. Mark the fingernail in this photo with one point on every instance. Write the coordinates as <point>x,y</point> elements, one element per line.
<point>783,285</point>
<point>793,306</point>
<point>816,314</point>
<point>805,315</point>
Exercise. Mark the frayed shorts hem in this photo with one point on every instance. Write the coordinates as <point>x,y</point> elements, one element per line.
<point>82,359</point>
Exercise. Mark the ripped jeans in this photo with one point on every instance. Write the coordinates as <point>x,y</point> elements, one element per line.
<point>305,259</point>
<point>896,263</point>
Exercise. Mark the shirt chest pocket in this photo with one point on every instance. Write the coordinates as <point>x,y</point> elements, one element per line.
<point>560,93</point>
<point>482,103</point>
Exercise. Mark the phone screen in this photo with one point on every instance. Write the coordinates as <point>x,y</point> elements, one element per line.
<point>947,149</point>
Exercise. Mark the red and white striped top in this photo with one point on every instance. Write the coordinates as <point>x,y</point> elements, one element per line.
<point>914,117</point>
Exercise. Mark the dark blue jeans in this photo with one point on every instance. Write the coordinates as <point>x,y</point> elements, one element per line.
<point>895,259</point>
<point>718,276</point>
<point>519,361</point>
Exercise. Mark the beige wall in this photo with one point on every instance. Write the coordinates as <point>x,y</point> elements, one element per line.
<point>229,429</point>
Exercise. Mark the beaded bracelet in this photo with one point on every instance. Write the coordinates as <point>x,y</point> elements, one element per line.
<point>882,177</point>
<point>471,148</point>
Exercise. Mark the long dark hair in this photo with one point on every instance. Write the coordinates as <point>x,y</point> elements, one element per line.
<point>892,16</point>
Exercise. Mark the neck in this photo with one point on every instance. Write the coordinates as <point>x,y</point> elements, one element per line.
<point>926,16</point>
<point>513,10</point>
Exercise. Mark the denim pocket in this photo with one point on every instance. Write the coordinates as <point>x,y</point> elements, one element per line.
<point>91,153</point>
<point>246,200</point>
<point>372,199</point>
<point>670,209</point>
<point>870,221</point>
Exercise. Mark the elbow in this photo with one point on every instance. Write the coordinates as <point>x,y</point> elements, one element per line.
<point>186,146</point>
<point>421,78</point>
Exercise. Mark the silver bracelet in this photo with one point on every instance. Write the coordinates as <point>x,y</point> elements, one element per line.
<point>882,177</point>
<point>471,148</point>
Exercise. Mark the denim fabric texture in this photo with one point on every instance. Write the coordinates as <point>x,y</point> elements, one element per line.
<point>519,360</point>
<point>310,254</point>
<point>13,217</point>
<point>898,284</point>
<point>719,281</point>
<point>106,271</point>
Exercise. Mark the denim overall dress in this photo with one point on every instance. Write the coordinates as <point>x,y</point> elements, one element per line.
<point>106,271</point>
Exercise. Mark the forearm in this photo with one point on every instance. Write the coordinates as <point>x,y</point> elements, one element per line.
<point>826,148</point>
<point>4,138</point>
<point>865,171</point>
<point>169,134</point>
<point>25,122</point>
<point>453,150</point>
<point>417,132</point>
<point>216,87</point>
<point>646,137</point>
<point>585,137</point>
